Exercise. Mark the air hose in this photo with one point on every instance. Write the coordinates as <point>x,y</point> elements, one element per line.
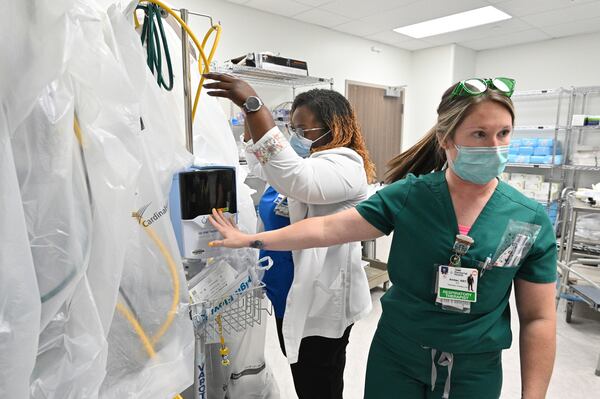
<point>203,61</point>
<point>153,25</point>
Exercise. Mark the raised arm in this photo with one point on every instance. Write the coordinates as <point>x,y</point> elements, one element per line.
<point>324,231</point>
<point>238,91</point>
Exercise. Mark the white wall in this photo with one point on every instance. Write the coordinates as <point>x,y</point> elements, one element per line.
<point>431,75</point>
<point>433,70</point>
<point>329,54</point>
<point>463,62</point>
<point>569,61</point>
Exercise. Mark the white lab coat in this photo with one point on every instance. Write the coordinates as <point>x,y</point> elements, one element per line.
<point>330,290</point>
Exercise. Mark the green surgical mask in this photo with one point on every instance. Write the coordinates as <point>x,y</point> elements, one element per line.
<point>479,165</point>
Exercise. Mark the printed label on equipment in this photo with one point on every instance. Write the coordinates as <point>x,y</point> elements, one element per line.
<point>215,283</point>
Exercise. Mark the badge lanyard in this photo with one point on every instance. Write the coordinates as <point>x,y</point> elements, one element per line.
<point>462,243</point>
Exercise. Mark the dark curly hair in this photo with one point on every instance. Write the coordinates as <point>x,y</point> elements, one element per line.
<point>335,112</point>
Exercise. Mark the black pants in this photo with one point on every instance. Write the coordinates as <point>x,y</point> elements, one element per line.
<point>319,372</point>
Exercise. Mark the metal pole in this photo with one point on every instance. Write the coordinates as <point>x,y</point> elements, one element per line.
<point>571,238</point>
<point>187,95</point>
<point>369,249</point>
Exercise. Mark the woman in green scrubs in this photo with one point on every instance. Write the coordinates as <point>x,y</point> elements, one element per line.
<point>436,338</point>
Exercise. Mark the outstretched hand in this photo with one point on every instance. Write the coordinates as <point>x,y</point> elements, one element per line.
<point>232,236</point>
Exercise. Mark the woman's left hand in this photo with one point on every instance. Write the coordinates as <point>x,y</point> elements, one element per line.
<point>230,87</point>
<point>232,236</point>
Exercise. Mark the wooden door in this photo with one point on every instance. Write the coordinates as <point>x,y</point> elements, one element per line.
<point>380,118</point>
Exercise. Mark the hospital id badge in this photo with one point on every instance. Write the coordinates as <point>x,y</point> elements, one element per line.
<point>281,206</point>
<point>457,284</point>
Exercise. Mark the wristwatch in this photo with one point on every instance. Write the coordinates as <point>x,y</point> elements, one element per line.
<point>252,104</point>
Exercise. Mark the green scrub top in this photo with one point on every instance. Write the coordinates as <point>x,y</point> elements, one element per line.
<point>420,212</point>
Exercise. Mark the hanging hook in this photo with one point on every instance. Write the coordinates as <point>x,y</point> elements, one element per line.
<point>200,15</point>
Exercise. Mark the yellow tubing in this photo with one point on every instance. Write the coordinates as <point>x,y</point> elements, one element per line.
<point>140,332</point>
<point>147,343</point>
<point>135,19</point>
<point>202,59</point>
<point>217,29</point>
<point>77,129</point>
<point>174,280</point>
<point>138,329</point>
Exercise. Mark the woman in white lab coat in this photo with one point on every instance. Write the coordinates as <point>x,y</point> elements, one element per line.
<point>324,168</point>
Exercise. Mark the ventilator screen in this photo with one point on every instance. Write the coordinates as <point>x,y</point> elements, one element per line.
<point>203,190</point>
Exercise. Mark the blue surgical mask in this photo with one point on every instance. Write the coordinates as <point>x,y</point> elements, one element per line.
<point>302,145</point>
<point>479,165</point>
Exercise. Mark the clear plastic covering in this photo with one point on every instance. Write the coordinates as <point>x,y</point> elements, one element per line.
<point>89,266</point>
<point>19,299</point>
<point>587,228</point>
<point>93,299</point>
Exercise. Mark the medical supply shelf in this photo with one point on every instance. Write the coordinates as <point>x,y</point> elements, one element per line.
<point>582,99</point>
<point>585,287</point>
<point>548,166</point>
<point>272,78</point>
<point>537,93</point>
<point>564,102</point>
<point>532,165</point>
<point>559,127</point>
<point>582,168</point>
<point>538,128</point>
<point>567,239</point>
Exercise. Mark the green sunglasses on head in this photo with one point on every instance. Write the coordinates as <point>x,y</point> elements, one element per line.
<point>475,86</point>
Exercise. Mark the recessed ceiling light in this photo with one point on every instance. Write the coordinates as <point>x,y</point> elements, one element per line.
<point>451,23</point>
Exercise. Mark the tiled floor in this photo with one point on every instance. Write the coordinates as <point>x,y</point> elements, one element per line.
<point>577,355</point>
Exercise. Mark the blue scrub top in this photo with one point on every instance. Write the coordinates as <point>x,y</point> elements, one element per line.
<point>278,279</point>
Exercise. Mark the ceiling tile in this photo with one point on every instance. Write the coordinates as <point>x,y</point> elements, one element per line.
<point>421,11</point>
<point>320,17</point>
<point>389,37</point>
<point>356,9</point>
<point>520,8</point>
<point>532,35</point>
<point>564,15</point>
<point>498,28</point>
<point>358,28</point>
<point>573,28</point>
<point>287,8</point>
<point>313,3</point>
<point>400,41</point>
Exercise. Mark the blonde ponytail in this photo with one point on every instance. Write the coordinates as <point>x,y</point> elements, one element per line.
<point>424,157</point>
